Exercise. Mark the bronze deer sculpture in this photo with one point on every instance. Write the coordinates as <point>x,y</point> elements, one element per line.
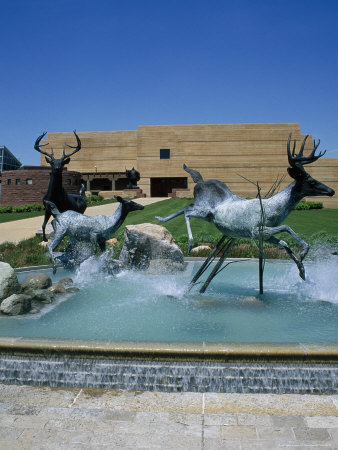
<point>237,217</point>
<point>56,193</point>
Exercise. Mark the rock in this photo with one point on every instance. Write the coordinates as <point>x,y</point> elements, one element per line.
<point>41,295</point>
<point>66,281</point>
<point>57,288</point>
<point>112,242</point>
<point>9,283</point>
<point>36,281</point>
<point>146,242</point>
<point>164,265</point>
<point>200,248</point>
<point>72,289</point>
<point>16,304</point>
<point>48,231</point>
<point>34,311</point>
<point>43,244</point>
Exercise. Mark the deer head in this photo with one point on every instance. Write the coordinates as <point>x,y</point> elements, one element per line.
<point>305,183</point>
<point>57,164</point>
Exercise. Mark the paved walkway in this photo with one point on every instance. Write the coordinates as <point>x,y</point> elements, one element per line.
<point>26,228</point>
<point>59,418</point>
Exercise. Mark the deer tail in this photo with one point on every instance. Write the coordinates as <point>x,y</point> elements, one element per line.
<point>196,176</point>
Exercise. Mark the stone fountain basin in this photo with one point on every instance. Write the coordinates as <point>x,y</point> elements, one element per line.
<point>293,367</point>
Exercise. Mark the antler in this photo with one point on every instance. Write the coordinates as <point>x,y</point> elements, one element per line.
<point>37,145</point>
<point>300,160</point>
<point>76,147</point>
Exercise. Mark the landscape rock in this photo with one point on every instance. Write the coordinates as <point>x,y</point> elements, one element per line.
<point>66,281</point>
<point>9,283</point>
<point>36,281</point>
<point>41,295</point>
<point>112,242</point>
<point>16,304</point>
<point>200,248</point>
<point>146,242</point>
<point>57,288</point>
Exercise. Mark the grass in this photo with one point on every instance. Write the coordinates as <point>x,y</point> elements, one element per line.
<point>312,225</point>
<point>9,217</point>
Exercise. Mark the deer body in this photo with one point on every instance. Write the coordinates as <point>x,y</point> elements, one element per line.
<point>94,230</point>
<point>56,193</point>
<point>237,217</point>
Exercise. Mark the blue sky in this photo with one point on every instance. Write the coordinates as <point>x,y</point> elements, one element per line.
<point>114,65</point>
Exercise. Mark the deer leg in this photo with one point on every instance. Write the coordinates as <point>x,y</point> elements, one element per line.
<point>274,240</point>
<point>93,241</point>
<point>190,236</point>
<point>102,244</point>
<point>287,229</point>
<point>52,245</point>
<point>172,216</point>
<point>45,221</point>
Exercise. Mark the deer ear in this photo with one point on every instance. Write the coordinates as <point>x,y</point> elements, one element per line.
<point>66,161</point>
<point>295,173</point>
<point>49,161</point>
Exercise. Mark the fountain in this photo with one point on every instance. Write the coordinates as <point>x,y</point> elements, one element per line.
<point>137,330</point>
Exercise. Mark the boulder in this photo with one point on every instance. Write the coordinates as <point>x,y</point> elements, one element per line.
<point>16,304</point>
<point>66,281</point>
<point>57,288</point>
<point>9,283</point>
<point>200,248</point>
<point>36,281</point>
<point>112,242</point>
<point>146,242</point>
<point>41,295</point>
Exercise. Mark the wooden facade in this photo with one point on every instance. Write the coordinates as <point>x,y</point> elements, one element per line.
<point>226,152</point>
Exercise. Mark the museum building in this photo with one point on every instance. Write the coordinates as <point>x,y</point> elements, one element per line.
<point>232,153</point>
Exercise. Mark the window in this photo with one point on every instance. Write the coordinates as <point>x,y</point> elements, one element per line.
<point>17,181</point>
<point>29,181</point>
<point>165,153</point>
<point>9,181</point>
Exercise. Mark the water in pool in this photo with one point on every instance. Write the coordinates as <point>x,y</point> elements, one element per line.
<point>137,307</point>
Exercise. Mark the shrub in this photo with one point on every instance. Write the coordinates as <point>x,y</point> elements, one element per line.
<point>308,205</point>
<point>36,207</point>
<point>6,209</point>
<point>22,208</point>
<point>94,198</point>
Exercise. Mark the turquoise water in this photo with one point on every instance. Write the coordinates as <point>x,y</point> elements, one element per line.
<point>138,307</point>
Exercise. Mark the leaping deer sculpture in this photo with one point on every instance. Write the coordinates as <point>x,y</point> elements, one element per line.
<point>56,193</point>
<point>94,230</point>
<point>237,217</point>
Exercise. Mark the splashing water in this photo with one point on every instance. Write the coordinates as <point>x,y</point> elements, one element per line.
<point>154,307</point>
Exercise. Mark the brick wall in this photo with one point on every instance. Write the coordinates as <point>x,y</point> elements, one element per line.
<point>20,194</point>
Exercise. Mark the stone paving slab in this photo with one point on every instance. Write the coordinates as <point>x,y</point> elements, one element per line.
<point>55,418</point>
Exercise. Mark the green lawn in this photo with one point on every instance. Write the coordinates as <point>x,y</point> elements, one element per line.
<point>9,217</point>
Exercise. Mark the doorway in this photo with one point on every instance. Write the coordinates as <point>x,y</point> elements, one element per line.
<point>161,187</point>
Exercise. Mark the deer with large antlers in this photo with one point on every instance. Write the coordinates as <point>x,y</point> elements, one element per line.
<point>56,193</point>
<point>237,217</point>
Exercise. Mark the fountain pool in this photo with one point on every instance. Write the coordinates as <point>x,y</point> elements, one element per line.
<point>139,307</point>
<point>140,331</point>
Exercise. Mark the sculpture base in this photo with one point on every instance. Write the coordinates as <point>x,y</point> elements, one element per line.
<point>132,193</point>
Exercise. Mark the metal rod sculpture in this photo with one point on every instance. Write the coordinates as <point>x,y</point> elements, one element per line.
<point>237,217</point>
<point>94,230</point>
<point>56,193</point>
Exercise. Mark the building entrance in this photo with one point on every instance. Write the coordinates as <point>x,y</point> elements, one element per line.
<point>161,187</point>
